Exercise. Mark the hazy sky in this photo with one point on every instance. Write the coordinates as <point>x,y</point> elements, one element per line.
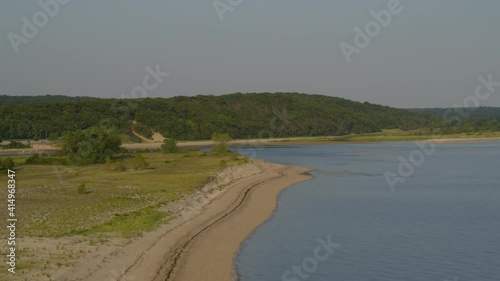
<point>430,53</point>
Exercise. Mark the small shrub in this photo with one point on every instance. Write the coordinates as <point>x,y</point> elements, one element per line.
<point>6,163</point>
<point>108,164</point>
<point>120,166</point>
<point>220,143</point>
<point>169,146</point>
<point>82,189</point>
<point>53,136</point>
<point>222,164</point>
<point>140,162</point>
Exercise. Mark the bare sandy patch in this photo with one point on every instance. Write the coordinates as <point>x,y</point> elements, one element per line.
<point>232,204</point>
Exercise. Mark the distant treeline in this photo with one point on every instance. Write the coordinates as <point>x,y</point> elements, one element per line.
<point>195,118</point>
<point>467,113</point>
<point>10,100</point>
<point>464,120</point>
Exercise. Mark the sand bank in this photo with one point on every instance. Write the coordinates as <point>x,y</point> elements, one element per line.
<point>201,242</point>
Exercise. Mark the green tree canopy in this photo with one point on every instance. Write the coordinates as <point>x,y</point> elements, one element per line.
<point>221,143</point>
<point>169,146</point>
<point>92,145</point>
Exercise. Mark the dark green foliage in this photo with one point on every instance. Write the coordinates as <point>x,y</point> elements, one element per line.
<point>464,120</point>
<point>13,100</point>
<point>242,116</point>
<point>92,145</point>
<point>169,146</point>
<point>143,130</point>
<point>53,136</point>
<point>6,163</point>
<point>36,159</point>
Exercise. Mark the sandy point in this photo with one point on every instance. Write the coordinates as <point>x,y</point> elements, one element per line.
<point>209,253</point>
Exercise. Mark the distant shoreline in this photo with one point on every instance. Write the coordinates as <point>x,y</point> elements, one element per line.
<point>37,148</point>
<point>462,140</point>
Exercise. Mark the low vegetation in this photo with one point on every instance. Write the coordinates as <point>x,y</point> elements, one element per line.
<point>6,163</point>
<point>15,145</point>
<point>221,143</point>
<point>59,200</point>
<point>169,146</point>
<point>400,135</point>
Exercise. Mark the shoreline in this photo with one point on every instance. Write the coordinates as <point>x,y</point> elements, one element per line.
<point>223,237</point>
<point>182,248</point>
<point>37,148</point>
<point>462,140</point>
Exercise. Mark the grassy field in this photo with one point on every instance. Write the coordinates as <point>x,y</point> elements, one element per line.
<point>399,135</point>
<point>124,202</point>
<point>67,214</point>
<point>386,136</point>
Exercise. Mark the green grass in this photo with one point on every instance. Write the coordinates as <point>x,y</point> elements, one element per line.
<point>48,204</point>
<point>399,135</point>
<point>131,224</point>
<point>385,136</point>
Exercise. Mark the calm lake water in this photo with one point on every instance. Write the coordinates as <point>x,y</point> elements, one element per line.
<point>441,223</point>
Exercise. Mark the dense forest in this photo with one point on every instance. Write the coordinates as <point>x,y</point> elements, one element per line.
<point>194,118</point>
<point>469,113</point>
<point>467,119</point>
<point>10,100</point>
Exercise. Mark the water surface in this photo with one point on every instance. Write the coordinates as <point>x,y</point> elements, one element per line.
<point>441,223</point>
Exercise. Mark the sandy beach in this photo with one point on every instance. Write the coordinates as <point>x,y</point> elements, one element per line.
<point>38,148</point>
<point>201,242</point>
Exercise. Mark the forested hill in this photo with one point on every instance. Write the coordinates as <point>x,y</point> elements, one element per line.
<point>11,100</point>
<point>194,118</point>
<point>469,113</point>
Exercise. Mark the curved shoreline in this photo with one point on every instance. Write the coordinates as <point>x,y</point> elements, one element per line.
<point>209,254</point>
<point>202,241</point>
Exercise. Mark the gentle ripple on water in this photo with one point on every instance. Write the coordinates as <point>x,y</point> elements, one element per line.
<point>440,224</point>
